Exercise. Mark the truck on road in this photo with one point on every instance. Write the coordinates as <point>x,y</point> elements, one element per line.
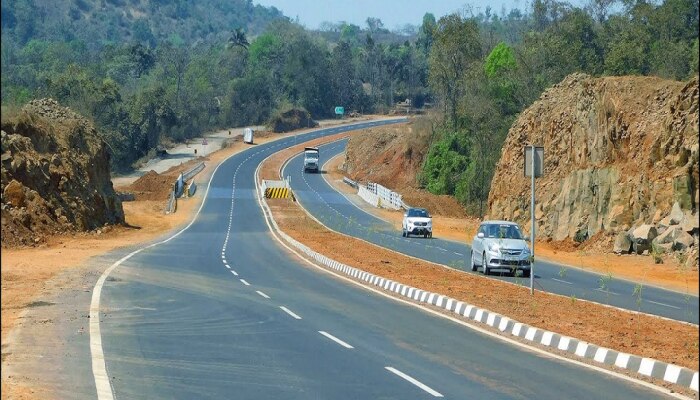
<point>311,159</point>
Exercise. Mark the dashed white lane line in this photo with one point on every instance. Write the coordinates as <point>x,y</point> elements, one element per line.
<point>262,294</point>
<point>243,281</point>
<point>288,311</point>
<point>559,280</point>
<point>414,381</point>
<point>234,272</point>
<point>663,304</point>
<point>228,266</point>
<point>335,339</point>
<point>459,254</point>
<point>606,291</point>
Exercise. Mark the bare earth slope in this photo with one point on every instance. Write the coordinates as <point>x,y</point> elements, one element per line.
<point>55,175</point>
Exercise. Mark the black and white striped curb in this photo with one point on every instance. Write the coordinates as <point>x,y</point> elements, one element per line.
<point>645,366</point>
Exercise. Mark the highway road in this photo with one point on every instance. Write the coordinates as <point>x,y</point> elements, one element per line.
<point>222,310</point>
<point>339,213</point>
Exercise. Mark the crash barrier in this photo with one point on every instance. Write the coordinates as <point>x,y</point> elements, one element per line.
<point>350,182</point>
<point>194,171</point>
<point>191,189</point>
<point>277,189</point>
<point>574,347</point>
<point>179,187</point>
<point>388,198</point>
<point>171,206</point>
<point>126,196</point>
<point>368,196</point>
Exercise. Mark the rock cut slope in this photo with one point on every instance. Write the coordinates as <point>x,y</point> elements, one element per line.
<point>55,175</point>
<point>619,152</point>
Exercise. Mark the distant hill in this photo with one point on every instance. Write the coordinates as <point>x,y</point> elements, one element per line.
<point>98,22</point>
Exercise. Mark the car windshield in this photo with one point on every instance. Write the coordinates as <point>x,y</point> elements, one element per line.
<point>312,155</point>
<point>418,213</point>
<point>503,231</point>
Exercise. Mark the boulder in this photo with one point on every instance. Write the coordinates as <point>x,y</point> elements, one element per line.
<point>668,235</point>
<point>14,193</point>
<point>676,215</point>
<point>623,243</point>
<point>690,223</point>
<point>682,242</point>
<point>664,248</point>
<point>645,233</point>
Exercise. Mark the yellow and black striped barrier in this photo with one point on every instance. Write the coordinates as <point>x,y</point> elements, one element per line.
<point>277,193</point>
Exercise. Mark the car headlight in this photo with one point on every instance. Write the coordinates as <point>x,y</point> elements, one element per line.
<point>493,247</point>
<point>526,251</point>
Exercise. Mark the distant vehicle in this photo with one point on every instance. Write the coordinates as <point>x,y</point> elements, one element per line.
<point>500,245</point>
<point>248,135</point>
<point>417,221</point>
<point>161,152</point>
<point>311,159</point>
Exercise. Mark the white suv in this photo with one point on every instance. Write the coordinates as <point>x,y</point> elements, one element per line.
<point>417,221</point>
<point>500,245</point>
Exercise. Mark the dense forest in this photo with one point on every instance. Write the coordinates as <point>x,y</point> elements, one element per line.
<point>152,72</point>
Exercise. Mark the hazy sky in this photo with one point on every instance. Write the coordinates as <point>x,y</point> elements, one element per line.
<point>393,13</point>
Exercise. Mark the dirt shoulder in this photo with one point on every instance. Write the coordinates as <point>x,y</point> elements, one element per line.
<point>629,332</point>
<point>638,268</point>
<point>27,273</point>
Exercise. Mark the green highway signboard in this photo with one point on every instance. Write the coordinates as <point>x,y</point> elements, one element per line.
<point>340,110</point>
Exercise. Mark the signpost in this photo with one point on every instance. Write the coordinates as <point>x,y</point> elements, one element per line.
<point>339,110</point>
<point>533,168</point>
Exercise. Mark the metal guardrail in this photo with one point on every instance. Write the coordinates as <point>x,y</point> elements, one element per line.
<point>350,182</point>
<point>194,171</point>
<point>179,187</point>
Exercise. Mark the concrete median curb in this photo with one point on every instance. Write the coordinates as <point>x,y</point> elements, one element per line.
<point>574,347</point>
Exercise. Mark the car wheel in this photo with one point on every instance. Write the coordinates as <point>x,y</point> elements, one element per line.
<point>403,233</point>
<point>526,273</point>
<point>473,263</point>
<point>485,265</point>
<point>425,236</point>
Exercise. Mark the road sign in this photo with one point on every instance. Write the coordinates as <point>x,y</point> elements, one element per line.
<point>340,110</point>
<point>539,160</point>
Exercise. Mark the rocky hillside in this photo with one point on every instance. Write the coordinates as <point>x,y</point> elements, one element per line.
<point>619,153</point>
<point>55,175</point>
<point>393,156</point>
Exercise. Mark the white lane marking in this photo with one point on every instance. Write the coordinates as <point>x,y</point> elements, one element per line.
<point>234,273</point>
<point>414,381</point>
<point>288,311</point>
<point>663,304</point>
<point>440,248</point>
<point>559,280</point>
<point>262,294</point>
<point>606,291</point>
<point>243,281</point>
<point>228,266</point>
<point>459,254</point>
<point>335,339</point>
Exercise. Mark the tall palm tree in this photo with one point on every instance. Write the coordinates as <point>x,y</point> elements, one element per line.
<point>238,38</point>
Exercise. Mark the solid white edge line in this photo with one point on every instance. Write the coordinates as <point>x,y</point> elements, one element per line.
<point>262,294</point>
<point>562,281</point>
<point>99,365</point>
<point>414,381</point>
<point>663,304</point>
<point>335,339</point>
<point>459,321</point>
<point>290,312</point>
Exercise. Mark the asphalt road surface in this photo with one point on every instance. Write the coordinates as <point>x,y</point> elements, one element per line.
<point>339,213</point>
<point>223,311</point>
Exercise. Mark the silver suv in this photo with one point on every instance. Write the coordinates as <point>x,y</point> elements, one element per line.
<point>417,221</point>
<point>500,245</point>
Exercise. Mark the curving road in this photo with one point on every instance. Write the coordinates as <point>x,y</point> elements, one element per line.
<point>223,311</point>
<point>339,213</point>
